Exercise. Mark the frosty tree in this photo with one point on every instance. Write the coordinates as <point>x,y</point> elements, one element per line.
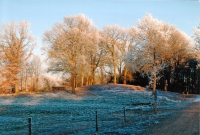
<point>35,71</point>
<point>156,46</point>
<point>197,41</point>
<point>93,58</point>
<point>197,44</point>
<point>68,42</point>
<point>197,34</point>
<point>16,46</point>
<point>131,39</point>
<point>113,39</point>
<point>176,53</point>
<point>150,47</point>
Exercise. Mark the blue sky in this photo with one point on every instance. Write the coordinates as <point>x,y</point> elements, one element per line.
<point>43,14</point>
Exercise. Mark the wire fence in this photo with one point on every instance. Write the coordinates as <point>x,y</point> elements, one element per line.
<point>73,122</point>
<point>85,119</point>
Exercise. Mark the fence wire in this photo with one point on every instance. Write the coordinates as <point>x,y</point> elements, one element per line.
<point>73,121</point>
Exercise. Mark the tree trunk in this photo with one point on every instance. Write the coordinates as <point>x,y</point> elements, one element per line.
<point>168,79</point>
<point>93,76</point>
<point>154,81</point>
<point>82,75</point>
<point>113,55</point>
<point>36,83</point>
<point>31,83</point>
<point>87,78</point>
<point>154,85</point>
<point>73,83</point>
<point>114,73</point>
<point>25,80</point>
<point>199,82</point>
<point>21,83</point>
<point>125,72</point>
<point>75,80</point>
<point>16,86</point>
<point>165,80</point>
<point>90,81</point>
<point>25,84</point>
<point>82,80</point>
<point>165,84</point>
<point>86,83</point>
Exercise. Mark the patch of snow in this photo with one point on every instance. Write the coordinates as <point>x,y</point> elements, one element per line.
<point>197,98</point>
<point>7,102</point>
<point>167,99</point>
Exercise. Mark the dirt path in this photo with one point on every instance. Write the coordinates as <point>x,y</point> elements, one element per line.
<point>186,122</point>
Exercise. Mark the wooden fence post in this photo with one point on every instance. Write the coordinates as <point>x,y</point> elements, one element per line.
<point>29,123</point>
<point>96,121</point>
<point>124,114</point>
<point>156,102</point>
<point>155,107</point>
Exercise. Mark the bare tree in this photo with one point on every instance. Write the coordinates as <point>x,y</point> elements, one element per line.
<point>131,40</point>
<point>113,39</point>
<point>156,42</point>
<point>35,70</point>
<point>66,42</point>
<point>16,46</point>
<point>197,42</point>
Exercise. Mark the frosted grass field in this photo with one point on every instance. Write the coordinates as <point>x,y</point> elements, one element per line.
<point>64,113</point>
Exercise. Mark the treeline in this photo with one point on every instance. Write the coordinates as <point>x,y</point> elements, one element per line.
<point>183,79</point>
<point>20,69</point>
<point>153,53</point>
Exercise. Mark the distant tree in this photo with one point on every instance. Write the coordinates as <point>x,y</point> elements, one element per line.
<point>102,77</point>
<point>93,57</point>
<point>197,41</point>
<point>67,44</point>
<point>131,40</point>
<point>35,70</point>
<point>31,74</point>
<point>176,54</point>
<point>113,39</point>
<point>156,44</point>
<point>146,55</point>
<point>197,44</point>
<point>46,83</point>
<point>16,46</point>
<point>26,74</point>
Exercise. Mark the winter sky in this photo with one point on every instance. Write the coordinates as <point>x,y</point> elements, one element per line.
<point>43,14</point>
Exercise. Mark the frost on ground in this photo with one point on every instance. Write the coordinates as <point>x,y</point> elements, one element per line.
<point>65,113</point>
